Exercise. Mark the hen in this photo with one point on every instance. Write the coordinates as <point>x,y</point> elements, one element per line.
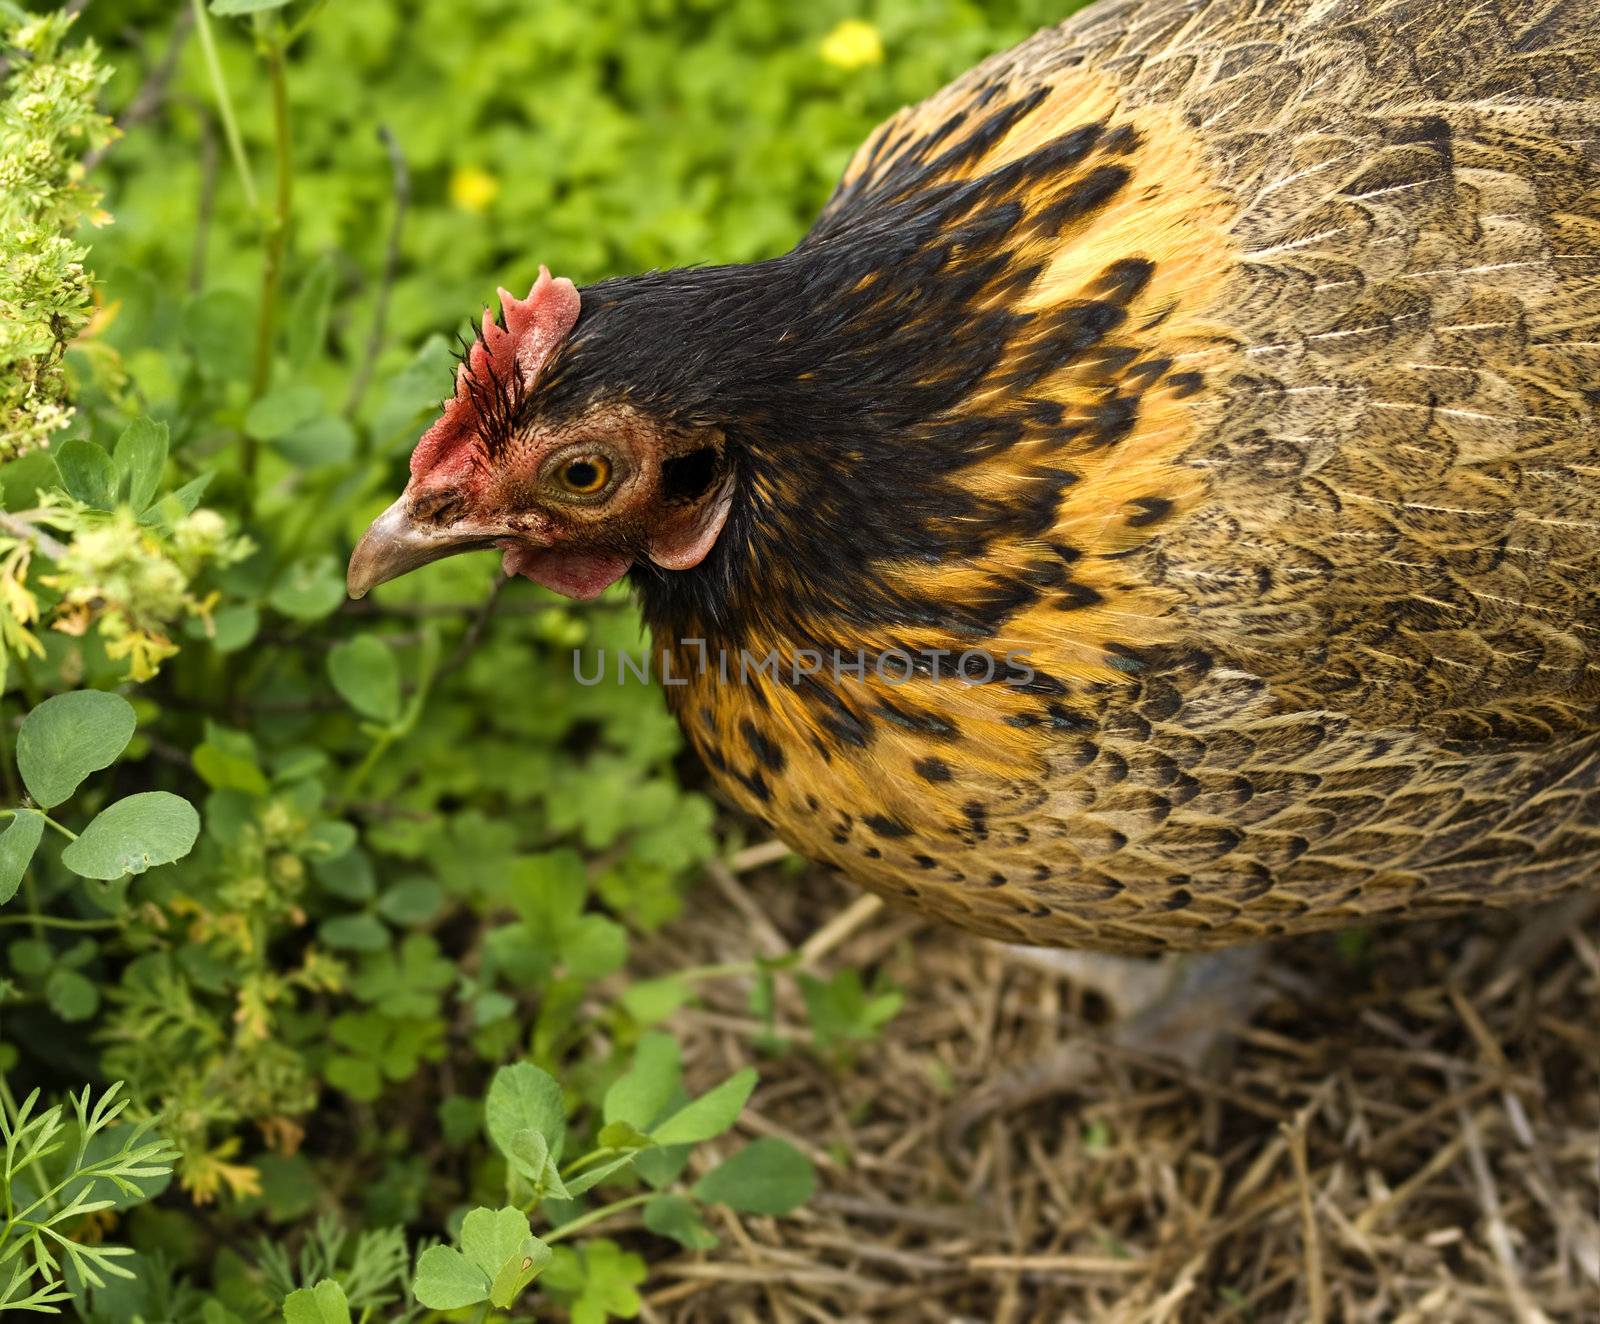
<point>1221,379</point>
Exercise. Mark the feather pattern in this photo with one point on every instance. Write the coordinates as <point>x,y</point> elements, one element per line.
<point>1267,433</point>
<point>1157,503</point>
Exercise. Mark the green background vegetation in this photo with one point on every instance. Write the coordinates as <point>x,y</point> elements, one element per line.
<point>357,999</point>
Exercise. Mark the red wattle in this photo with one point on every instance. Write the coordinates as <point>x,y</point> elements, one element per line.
<point>573,574</point>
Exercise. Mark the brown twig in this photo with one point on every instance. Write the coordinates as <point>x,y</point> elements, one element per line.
<point>19,526</point>
<point>152,93</point>
<point>475,632</point>
<point>1311,1238</point>
<point>400,175</point>
<point>436,610</point>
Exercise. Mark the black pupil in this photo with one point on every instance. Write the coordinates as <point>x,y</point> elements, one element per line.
<point>583,473</point>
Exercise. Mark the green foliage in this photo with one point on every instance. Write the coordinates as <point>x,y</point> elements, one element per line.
<point>48,121</point>
<point>58,1174</point>
<point>648,1126</point>
<point>346,894</point>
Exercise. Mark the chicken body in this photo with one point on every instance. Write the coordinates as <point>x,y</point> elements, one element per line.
<point>1298,523</point>
<point>1224,376</point>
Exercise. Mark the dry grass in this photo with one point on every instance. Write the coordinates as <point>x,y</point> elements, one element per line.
<point>1406,1133</point>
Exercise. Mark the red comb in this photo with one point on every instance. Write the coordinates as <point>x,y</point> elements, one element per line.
<point>506,357</point>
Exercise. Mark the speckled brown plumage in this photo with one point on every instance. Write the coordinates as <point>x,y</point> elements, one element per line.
<point>1235,369</point>
<point>1342,660</point>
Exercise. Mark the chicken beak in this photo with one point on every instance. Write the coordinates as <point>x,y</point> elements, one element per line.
<point>395,545</point>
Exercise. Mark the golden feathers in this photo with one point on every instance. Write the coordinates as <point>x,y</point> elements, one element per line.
<point>1285,487</point>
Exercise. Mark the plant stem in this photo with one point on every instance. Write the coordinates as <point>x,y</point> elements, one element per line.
<point>276,236</point>
<point>66,832</point>
<point>306,20</point>
<point>590,1159</point>
<point>595,1216</point>
<point>30,892</point>
<point>427,669</point>
<point>52,922</point>
<point>363,770</point>
<point>219,87</point>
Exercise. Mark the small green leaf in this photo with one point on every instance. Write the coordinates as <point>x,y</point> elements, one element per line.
<point>310,589</point>
<point>218,327</point>
<point>290,1189</point>
<point>354,933</point>
<point>17,845</point>
<point>528,1155</point>
<point>652,1000</point>
<point>221,769</point>
<point>498,1258</point>
<point>231,627</point>
<point>364,672</point>
<point>709,1115</point>
<point>601,1275</point>
<point>498,1242</point>
<point>594,947</point>
<point>350,876</point>
<point>175,505</point>
<point>69,736</point>
<point>356,1076</point>
<point>489,1237</point>
<point>675,1217</point>
<point>622,1135</point>
<point>590,1177</point>
<point>842,1009</point>
<point>87,473</point>
<point>134,834</point>
<point>662,1165</point>
<point>308,314</point>
<point>323,1304</point>
<point>325,440</point>
<point>30,956</point>
<point>412,393</point>
<point>446,1280</point>
<point>460,1118</point>
<point>411,901</point>
<point>641,1094</point>
<point>522,1097</point>
<point>70,995</point>
<point>767,1176</point>
<point>330,839</point>
<point>518,1271</point>
<point>282,411</point>
<point>139,458</point>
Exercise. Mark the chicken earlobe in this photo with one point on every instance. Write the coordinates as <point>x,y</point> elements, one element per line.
<point>685,539</point>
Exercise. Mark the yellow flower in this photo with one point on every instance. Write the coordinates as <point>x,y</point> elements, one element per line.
<point>145,650</point>
<point>473,188</point>
<point>251,1013</point>
<point>283,1135</point>
<point>205,1176</point>
<point>854,44</point>
<point>18,607</point>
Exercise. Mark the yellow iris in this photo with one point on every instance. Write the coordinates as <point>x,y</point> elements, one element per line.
<point>587,475</point>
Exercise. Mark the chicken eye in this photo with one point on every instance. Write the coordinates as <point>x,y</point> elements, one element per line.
<point>586,475</point>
